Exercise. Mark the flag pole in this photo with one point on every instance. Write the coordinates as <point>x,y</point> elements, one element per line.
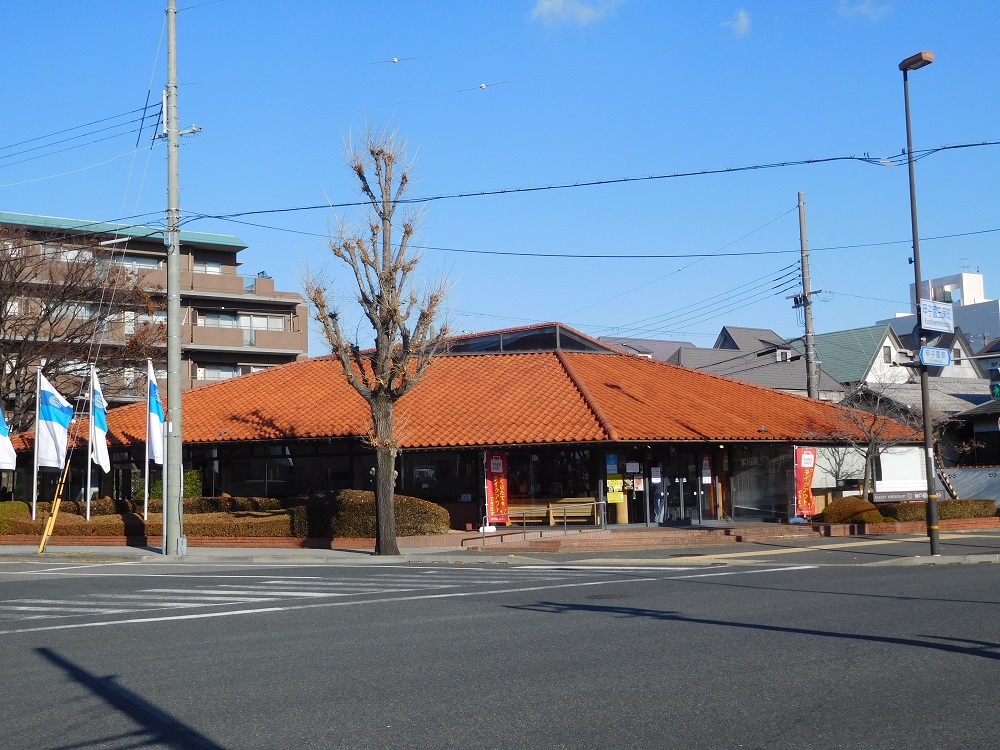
<point>90,439</point>
<point>34,483</point>
<point>145,462</point>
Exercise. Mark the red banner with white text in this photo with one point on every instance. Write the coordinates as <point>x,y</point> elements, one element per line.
<point>805,467</point>
<point>496,488</point>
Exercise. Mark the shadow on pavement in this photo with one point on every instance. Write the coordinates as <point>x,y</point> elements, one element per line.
<point>158,728</point>
<point>984,649</point>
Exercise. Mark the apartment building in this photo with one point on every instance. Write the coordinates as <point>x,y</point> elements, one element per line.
<point>233,323</point>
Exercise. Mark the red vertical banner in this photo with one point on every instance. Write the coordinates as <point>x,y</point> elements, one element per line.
<point>805,467</point>
<point>496,488</point>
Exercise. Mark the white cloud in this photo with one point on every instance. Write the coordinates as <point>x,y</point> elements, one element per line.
<point>873,9</point>
<point>581,12</point>
<point>740,23</point>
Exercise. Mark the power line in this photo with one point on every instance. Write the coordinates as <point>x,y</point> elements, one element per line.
<point>600,182</point>
<point>75,127</point>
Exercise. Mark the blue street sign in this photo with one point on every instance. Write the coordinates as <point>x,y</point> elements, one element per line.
<point>933,357</point>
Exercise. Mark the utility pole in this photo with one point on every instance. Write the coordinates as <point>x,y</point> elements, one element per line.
<point>805,302</point>
<point>174,542</point>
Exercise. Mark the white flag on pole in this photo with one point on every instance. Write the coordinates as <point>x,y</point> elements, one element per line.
<point>7,455</point>
<point>52,430</point>
<point>99,427</point>
<point>154,419</point>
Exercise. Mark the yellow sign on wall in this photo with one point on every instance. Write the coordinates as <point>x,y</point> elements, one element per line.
<point>616,486</point>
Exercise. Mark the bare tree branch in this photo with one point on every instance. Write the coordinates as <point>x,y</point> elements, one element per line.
<point>69,304</point>
<point>405,324</point>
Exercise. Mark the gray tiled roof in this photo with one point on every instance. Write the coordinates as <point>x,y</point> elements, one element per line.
<point>948,395</point>
<point>747,339</point>
<point>661,351</point>
<point>747,366</point>
<point>989,408</point>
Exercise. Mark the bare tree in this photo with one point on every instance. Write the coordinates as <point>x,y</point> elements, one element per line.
<point>872,422</point>
<point>405,323</point>
<point>68,303</point>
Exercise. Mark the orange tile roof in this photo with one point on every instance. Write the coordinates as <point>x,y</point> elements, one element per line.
<point>497,399</point>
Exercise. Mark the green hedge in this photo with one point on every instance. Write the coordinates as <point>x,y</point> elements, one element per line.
<point>192,485</point>
<point>851,509</point>
<point>12,509</point>
<point>350,514</point>
<point>917,510</point>
<point>274,523</point>
<point>354,516</point>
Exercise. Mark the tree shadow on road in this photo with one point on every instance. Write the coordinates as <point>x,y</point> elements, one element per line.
<point>157,727</point>
<point>985,649</point>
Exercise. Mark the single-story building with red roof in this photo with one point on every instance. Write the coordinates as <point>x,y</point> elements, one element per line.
<point>676,443</point>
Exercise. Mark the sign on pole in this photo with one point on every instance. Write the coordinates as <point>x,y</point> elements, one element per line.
<point>805,466</point>
<point>936,316</point>
<point>496,488</point>
<point>934,357</point>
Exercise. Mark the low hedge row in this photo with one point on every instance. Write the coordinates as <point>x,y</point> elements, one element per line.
<point>12,510</point>
<point>854,509</point>
<point>349,514</point>
<point>917,510</point>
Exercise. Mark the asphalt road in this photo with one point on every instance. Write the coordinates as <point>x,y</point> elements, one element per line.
<point>489,656</point>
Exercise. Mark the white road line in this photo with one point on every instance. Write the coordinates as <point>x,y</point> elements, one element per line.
<point>72,609</point>
<point>289,608</point>
<point>608,568</point>
<point>743,572</point>
<point>183,596</point>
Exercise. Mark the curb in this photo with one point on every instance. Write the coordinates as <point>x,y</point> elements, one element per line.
<point>939,560</point>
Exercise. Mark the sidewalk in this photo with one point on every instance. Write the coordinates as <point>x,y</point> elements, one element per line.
<point>961,547</point>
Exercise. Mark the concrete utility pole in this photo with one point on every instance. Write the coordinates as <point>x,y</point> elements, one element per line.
<point>812,367</point>
<point>173,483</point>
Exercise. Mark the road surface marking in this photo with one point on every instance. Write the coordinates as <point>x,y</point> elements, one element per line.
<point>293,607</point>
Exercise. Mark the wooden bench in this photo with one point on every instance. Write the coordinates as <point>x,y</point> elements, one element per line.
<point>584,509</point>
<point>554,512</point>
<point>522,514</point>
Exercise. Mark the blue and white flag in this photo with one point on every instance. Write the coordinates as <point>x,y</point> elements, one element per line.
<point>7,455</point>
<point>99,426</point>
<point>52,431</point>
<point>154,418</point>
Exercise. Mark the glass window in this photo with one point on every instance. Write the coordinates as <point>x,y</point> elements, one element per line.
<point>887,354</point>
<point>218,372</point>
<point>208,266</point>
<point>956,355</point>
<point>140,262</point>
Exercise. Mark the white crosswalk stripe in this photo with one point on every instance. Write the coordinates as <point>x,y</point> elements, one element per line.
<point>218,592</point>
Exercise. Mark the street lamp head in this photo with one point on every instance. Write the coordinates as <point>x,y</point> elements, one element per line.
<point>919,60</point>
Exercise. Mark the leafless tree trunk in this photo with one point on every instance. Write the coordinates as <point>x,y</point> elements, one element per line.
<point>405,323</point>
<point>872,422</point>
<point>65,302</point>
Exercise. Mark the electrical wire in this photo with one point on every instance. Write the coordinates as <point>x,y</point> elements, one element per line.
<point>590,183</point>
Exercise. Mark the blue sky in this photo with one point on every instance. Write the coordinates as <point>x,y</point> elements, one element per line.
<point>576,91</point>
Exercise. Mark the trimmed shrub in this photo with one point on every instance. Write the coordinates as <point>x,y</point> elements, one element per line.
<point>354,516</point>
<point>917,510</point>
<point>12,509</point>
<point>192,485</point>
<point>967,508</point>
<point>851,509</point>
<point>350,514</point>
<point>242,524</point>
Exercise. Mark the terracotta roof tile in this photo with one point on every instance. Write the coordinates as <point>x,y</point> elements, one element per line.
<point>496,399</point>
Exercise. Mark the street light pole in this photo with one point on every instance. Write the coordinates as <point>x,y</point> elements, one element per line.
<point>915,62</point>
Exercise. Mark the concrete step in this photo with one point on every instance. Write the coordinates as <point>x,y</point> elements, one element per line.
<point>640,538</point>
